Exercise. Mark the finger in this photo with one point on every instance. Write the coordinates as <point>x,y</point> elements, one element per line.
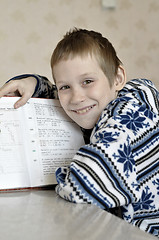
<point>9,95</point>
<point>12,94</point>
<point>22,101</point>
<point>7,88</point>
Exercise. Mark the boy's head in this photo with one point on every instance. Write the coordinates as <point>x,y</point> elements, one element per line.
<point>88,75</point>
<point>81,42</point>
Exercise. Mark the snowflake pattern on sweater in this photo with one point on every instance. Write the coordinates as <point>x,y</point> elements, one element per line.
<point>120,165</point>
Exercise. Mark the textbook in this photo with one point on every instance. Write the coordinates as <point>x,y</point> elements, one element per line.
<point>35,140</point>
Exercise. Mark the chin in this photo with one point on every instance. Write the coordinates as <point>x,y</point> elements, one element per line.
<point>86,126</point>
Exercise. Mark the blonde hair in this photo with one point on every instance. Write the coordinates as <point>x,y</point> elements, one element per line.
<point>82,42</point>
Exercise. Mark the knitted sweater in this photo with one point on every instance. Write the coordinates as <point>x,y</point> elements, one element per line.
<point>120,165</point>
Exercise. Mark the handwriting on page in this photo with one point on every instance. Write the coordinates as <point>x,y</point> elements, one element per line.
<point>34,140</point>
<point>10,141</point>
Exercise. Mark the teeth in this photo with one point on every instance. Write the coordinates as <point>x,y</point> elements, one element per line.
<point>84,110</point>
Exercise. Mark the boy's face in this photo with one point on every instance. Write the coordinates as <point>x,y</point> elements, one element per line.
<point>83,89</point>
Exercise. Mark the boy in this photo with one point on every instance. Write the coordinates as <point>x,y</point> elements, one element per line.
<point>119,165</point>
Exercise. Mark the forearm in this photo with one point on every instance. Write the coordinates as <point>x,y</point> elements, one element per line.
<point>98,175</point>
<point>44,88</point>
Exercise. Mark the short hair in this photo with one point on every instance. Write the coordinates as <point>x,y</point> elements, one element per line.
<point>81,42</point>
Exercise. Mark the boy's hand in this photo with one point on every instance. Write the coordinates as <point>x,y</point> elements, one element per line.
<point>24,88</point>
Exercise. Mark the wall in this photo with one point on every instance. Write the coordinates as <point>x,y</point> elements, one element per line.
<point>30,29</point>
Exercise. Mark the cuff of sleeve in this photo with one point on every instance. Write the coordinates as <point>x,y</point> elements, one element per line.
<point>19,77</point>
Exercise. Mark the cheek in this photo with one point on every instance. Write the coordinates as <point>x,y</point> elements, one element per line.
<point>63,102</point>
<point>61,97</point>
<point>93,93</point>
<point>104,95</point>
<point>98,94</point>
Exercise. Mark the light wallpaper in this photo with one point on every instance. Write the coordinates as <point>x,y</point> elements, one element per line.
<point>30,29</point>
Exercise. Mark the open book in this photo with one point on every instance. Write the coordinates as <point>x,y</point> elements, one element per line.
<point>34,140</point>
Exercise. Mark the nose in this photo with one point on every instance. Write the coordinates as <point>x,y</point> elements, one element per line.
<point>77,96</point>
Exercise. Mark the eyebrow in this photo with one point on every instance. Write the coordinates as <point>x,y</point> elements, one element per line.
<point>81,75</point>
<point>86,74</point>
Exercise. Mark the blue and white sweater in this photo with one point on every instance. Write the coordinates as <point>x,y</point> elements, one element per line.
<point>119,167</point>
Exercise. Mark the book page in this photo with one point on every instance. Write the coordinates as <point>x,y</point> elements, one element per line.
<point>34,140</point>
<point>53,139</point>
<point>13,168</point>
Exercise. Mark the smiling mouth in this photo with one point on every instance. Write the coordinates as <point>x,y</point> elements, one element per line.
<point>83,110</point>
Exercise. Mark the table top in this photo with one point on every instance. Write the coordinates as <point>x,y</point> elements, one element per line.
<point>32,215</point>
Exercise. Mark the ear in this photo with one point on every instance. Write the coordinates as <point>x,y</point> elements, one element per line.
<point>120,79</point>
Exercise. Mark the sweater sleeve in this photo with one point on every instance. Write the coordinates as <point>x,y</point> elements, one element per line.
<point>109,171</point>
<point>44,88</point>
<point>103,172</point>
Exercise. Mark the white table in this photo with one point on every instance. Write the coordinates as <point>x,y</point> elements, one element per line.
<point>42,215</point>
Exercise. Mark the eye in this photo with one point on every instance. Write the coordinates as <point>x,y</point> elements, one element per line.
<point>87,81</point>
<point>64,87</point>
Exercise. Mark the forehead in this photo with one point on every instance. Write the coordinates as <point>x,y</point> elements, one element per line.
<point>85,61</point>
<point>76,66</point>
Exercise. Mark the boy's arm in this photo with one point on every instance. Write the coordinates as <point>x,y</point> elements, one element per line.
<point>44,88</point>
<point>102,173</point>
<point>27,86</point>
<point>111,170</point>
